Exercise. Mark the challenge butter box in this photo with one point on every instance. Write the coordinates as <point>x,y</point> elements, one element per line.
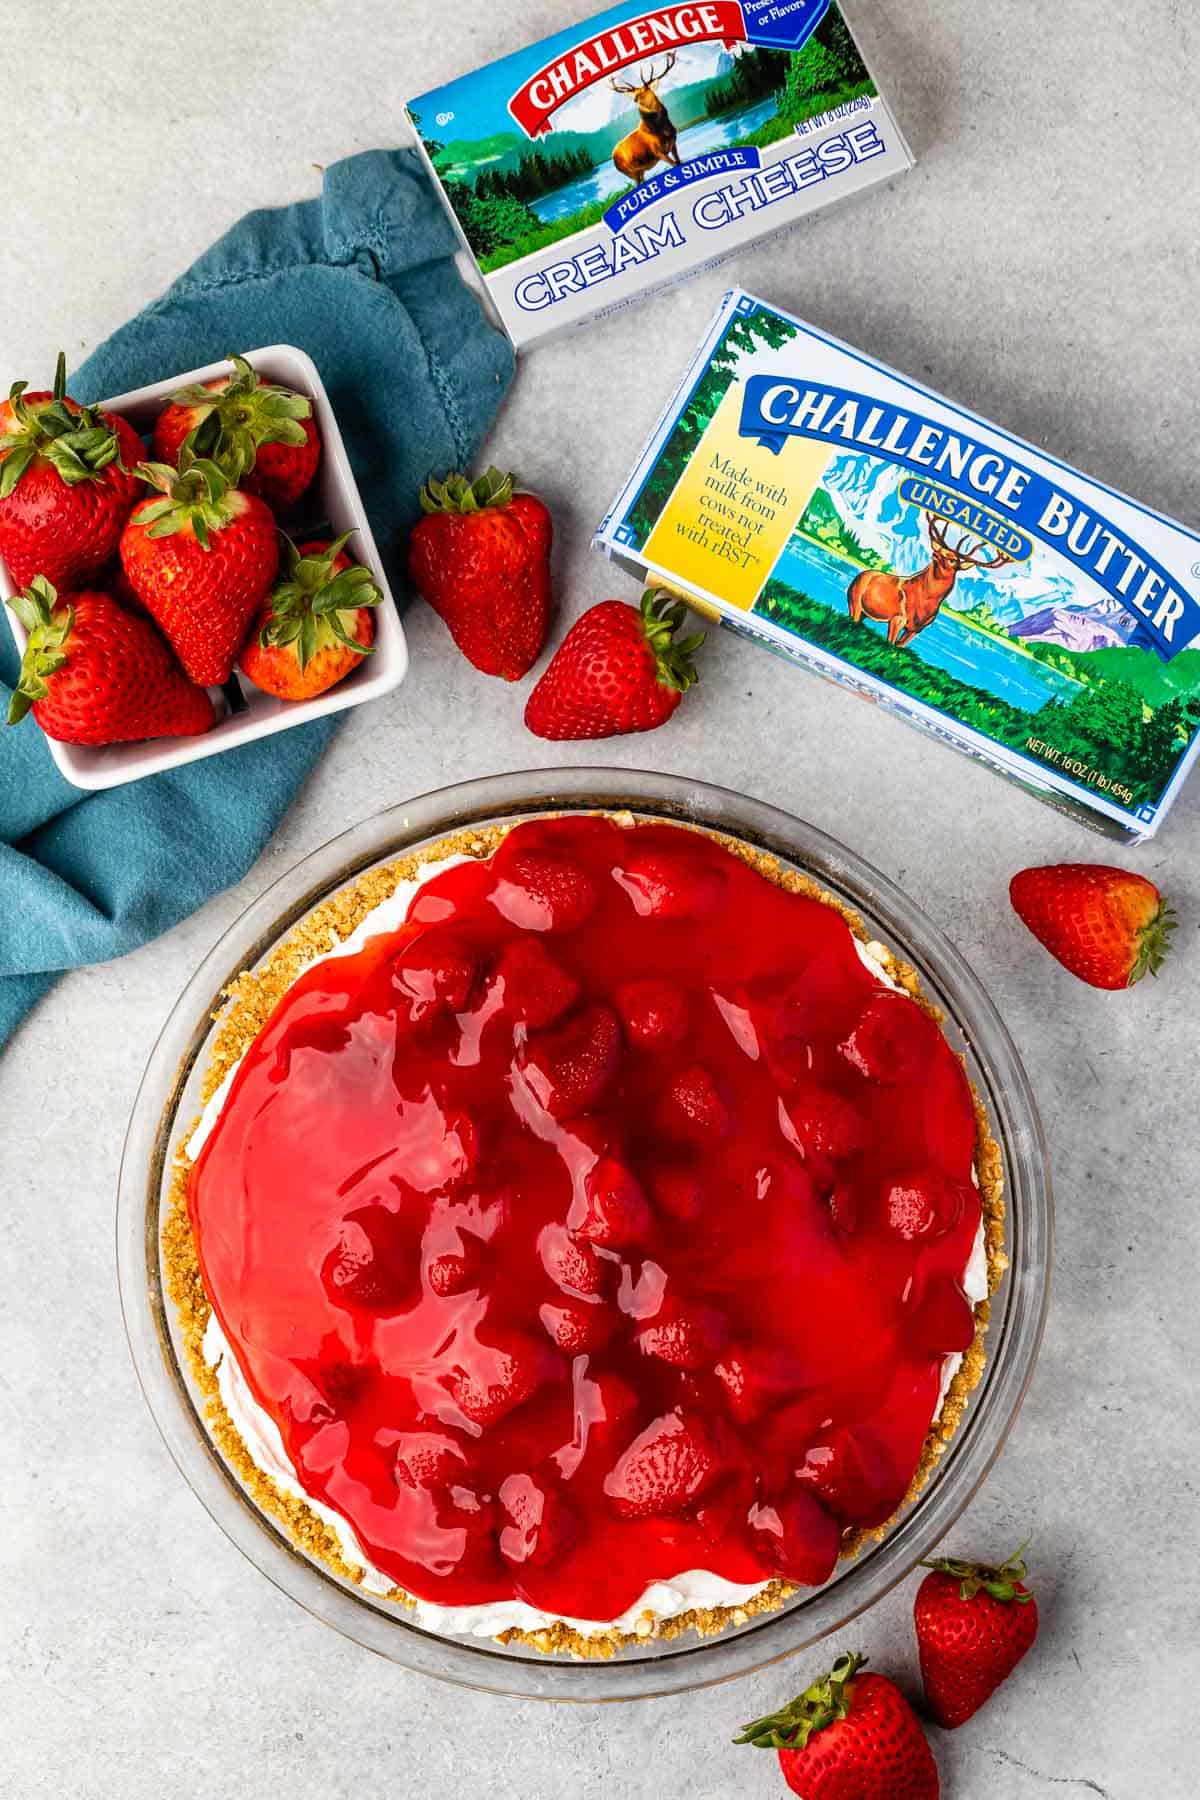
<point>851,519</point>
<point>632,149</point>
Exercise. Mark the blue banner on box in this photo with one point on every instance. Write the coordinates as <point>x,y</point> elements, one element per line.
<point>782,24</point>
<point>659,187</point>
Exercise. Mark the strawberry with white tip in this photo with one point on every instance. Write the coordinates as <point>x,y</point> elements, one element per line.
<point>317,625</point>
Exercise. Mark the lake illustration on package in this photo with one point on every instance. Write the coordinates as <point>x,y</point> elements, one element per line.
<point>863,525</point>
<point>629,150</point>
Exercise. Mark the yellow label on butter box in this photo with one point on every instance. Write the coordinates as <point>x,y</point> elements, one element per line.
<point>734,507</point>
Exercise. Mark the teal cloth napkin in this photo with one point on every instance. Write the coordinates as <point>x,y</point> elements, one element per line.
<point>364,280</point>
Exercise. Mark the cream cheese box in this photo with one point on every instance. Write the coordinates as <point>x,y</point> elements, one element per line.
<point>630,150</point>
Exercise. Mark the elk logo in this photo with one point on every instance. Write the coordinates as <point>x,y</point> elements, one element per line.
<point>653,138</point>
<point>906,607</point>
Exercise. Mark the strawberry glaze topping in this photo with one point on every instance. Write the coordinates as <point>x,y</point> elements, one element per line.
<point>605,1221</point>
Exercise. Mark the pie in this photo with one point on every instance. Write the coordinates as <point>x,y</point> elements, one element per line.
<point>588,1235</point>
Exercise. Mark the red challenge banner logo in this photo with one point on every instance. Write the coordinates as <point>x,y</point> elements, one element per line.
<point>667,28</point>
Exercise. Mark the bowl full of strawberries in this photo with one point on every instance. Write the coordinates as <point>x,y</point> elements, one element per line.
<point>187,567</point>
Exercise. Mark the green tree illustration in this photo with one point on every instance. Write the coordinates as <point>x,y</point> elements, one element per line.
<point>488,223</point>
<point>1106,726</point>
<point>744,333</point>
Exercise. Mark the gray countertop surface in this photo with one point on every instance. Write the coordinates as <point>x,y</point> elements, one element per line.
<point>1041,265</point>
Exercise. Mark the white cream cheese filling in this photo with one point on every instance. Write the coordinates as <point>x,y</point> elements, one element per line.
<point>697,1589</point>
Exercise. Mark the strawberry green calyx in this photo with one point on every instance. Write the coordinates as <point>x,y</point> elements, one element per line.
<point>662,615</point>
<point>456,494</point>
<point>1000,1582</point>
<point>196,493</point>
<point>49,626</point>
<point>314,604</point>
<point>822,1704</point>
<point>246,413</point>
<point>1154,943</point>
<point>80,445</point>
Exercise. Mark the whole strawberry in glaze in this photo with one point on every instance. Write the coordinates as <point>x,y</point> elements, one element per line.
<point>974,1623</point>
<point>1108,926</point>
<point>66,484</point>
<point>481,558</point>
<point>201,559</point>
<point>317,624</point>
<point>262,436</point>
<point>619,669</point>
<point>665,1470</point>
<point>93,673</point>
<point>849,1736</point>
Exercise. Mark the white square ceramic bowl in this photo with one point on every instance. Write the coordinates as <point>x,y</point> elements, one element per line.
<point>334,501</point>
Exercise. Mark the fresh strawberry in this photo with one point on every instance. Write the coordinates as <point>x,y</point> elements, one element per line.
<point>538,1526</point>
<point>799,1539</point>
<point>849,1737</point>
<point>693,1108</point>
<point>618,669</point>
<point>317,624</point>
<point>497,1377</point>
<point>567,1067</point>
<point>261,436</point>
<point>481,558</point>
<point>1108,926</point>
<point>201,558</point>
<point>543,890</point>
<point>974,1624</point>
<point>95,674</point>
<point>665,1470</point>
<point>66,485</point>
<point>537,989</point>
<point>654,1012</point>
<point>617,1214</point>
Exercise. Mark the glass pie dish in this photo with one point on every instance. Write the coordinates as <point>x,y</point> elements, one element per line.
<point>169,1101</point>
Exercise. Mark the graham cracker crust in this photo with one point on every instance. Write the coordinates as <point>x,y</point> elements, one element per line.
<point>250,1000</point>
